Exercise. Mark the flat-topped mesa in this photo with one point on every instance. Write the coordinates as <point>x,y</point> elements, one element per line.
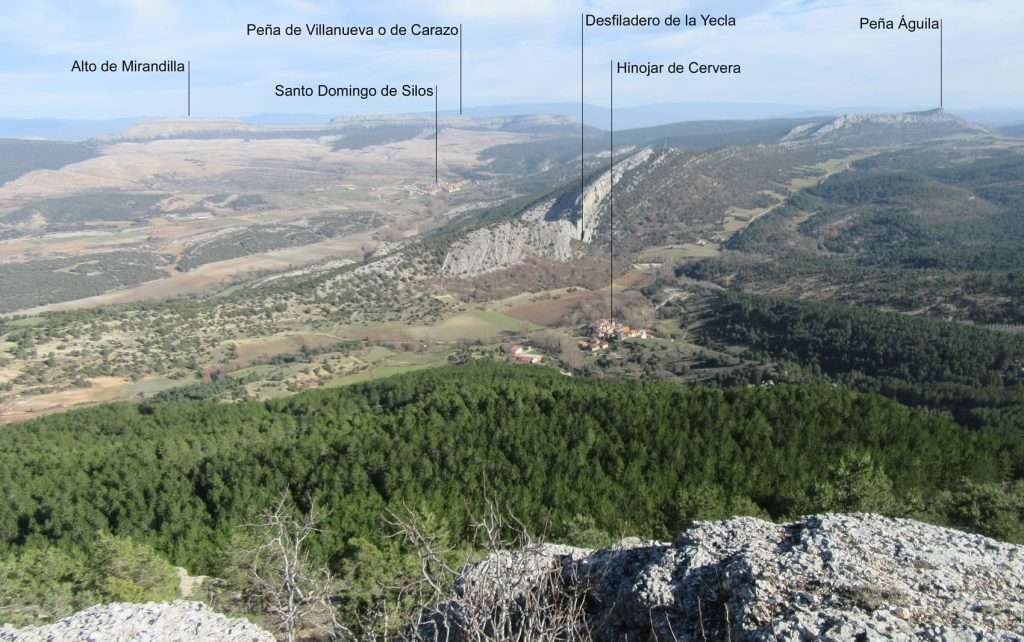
<point>157,129</point>
<point>172,128</point>
<point>885,129</point>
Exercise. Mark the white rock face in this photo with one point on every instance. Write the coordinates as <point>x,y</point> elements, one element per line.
<point>825,577</point>
<point>174,622</point>
<point>546,230</point>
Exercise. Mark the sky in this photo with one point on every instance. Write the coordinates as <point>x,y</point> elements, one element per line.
<point>808,53</point>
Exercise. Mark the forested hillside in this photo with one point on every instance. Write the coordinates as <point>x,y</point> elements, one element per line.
<point>933,230</point>
<point>625,457</point>
<point>844,338</point>
<point>975,374</point>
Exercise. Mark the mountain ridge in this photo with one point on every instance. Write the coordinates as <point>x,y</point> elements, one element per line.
<point>864,129</point>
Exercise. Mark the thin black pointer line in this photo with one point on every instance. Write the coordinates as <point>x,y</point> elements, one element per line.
<point>436,181</point>
<point>611,191</point>
<point>460,69</point>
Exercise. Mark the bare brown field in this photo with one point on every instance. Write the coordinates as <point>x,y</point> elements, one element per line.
<point>62,244</point>
<point>101,389</point>
<point>377,334</point>
<point>549,312</point>
<point>251,351</point>
<point>8,374</point>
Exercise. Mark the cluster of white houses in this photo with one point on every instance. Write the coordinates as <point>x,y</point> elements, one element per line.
<point>523,355</point>
<point>600,335</point>
<point>605,331</point>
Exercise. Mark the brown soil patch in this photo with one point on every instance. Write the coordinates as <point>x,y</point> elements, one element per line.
<point>250,352</point>
<point>549,312</point>
<point>103,389</point>
<point>380,334</point>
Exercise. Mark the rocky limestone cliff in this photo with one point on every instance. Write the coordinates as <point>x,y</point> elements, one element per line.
<point>826,577</point>
<point>884,129</point>
<point>546,230</point>
<point>174,622</point>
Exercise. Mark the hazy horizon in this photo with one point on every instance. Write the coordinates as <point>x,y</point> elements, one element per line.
<point>793,52</point>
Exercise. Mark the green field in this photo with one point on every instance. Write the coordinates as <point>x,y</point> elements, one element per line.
<point>26,322</point>
<point>382,371</point>
<point>333,369</point>
<point>472,326</point>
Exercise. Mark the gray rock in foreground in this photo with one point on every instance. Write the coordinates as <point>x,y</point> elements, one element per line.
<point>827,577</point>
<point>174,622</point>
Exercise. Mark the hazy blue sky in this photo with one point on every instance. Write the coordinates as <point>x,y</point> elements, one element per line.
<point>801,52</point>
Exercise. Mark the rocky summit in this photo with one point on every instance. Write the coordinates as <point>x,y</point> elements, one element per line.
<point>824,577</point>
<point>174,622</point>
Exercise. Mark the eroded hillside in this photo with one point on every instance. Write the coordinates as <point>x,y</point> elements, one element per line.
<point>549,229</point>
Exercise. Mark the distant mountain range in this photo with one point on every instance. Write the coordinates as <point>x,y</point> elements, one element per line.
<point>653,115</point>
<point>593,115</point>
<point>1012,120</point>
<point>1016,131</point>
<point>62,129</point>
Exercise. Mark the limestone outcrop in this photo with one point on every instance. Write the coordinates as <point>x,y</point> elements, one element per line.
<point>824,577</point>
<point>153,622</point>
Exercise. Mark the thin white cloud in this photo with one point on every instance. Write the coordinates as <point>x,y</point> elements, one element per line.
<point>149,10</point>
<point>808,52</point>
<point>303,6</point>
<point>659,8</point>
<point>492,10</point>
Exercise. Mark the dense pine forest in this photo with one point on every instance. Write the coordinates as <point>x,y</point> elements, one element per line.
<point>623,456</point>
<point>975,374</point>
